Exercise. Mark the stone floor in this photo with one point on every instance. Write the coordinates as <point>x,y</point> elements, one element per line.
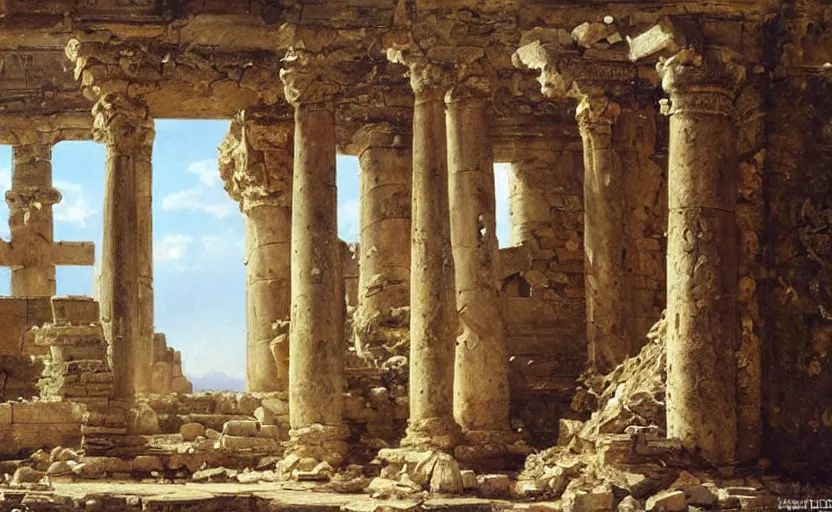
<point>129,496</point>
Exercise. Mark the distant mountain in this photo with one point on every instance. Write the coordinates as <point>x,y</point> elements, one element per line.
<point>217,381</point>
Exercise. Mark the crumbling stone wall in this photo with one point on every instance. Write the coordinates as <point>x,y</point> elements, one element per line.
<point>543,297</point>
<point>798,294</point>
<point>19,372</point>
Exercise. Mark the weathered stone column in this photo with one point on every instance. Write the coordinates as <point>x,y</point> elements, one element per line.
<point>607,298</point>
<point>385,160</point>
<point>316,333</point>
<point>481,395</point>
<point>256,166</point>
<point>124,125</point>
<point>702,253</point>
<point>433,318</point>
<point>30,201</point>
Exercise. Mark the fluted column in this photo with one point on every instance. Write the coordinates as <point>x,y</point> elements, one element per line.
<point>256,166</point>
<point>608,315</point>
<point>385,162</point>
<point>124,126</point>
<point>702,253</point>
<point>30,201</point>
<point>316,334</point>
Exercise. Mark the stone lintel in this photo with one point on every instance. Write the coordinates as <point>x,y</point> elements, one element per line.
<point>73,253</point>
<point>63,253</point>
<point>22,129</point>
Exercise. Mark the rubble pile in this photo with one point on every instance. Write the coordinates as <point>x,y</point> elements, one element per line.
<point>77,369</point>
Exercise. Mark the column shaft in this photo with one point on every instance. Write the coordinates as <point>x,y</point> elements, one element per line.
<point>268,256</point>
<point>144,210</point>
<point>481,395</point>
<point>255,164</point>
<point>607,297</point>
<point>433,320</point>
<point>127,131</point>
<point>385,203</point>
<point>316,352</point>
<point>30,202</point>
<point>702,259</point>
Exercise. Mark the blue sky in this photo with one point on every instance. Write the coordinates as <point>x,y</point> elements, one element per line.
<point>199,276</point>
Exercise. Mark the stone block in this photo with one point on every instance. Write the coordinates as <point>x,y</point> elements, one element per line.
<point>13,313</point>
<point>6,414</point>
<point>46,412</point>
<point>667,501</point>
<point>76,309</point>
<point>191,431</point>
<point>661,38</point>
<point>251,444</point>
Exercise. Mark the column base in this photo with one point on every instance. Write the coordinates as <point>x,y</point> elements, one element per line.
<point>431,434</point>
<point>417,469</point>
<point>492,449</point>
<point>312,452</point>
<point>425,459</point>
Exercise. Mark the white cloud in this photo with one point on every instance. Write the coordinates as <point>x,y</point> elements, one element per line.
<point>348,222</point>
<point>171,249</point>
<point>73,208</point>
<point>207,171</point>
<point>193,199</point>
<point>204,196</point>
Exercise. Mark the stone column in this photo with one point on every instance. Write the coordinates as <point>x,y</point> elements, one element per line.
<point>433,318</point>
<point>702,253</point>
<point>124,125</point>
<point>385,160</point>
<point>256,166</point>
<point>30,201</point>
<point>316,333</point>
<point>481,394</point>
<point>607,298</point>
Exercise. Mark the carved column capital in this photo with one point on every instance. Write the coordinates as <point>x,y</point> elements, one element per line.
<point>472,83</point>
<point>122,122</point>
<point>704,84</point>
<point>309,78</point>
<point>381,134</point>
<point>255,160</point>
<point>596,113</point>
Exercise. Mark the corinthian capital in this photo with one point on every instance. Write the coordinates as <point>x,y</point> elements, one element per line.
<point>309,77</point>
<point>255,160</point>
<point>701,83</point>
<point>122,122</point>
<point>596,111</point>
<point>473,82</point>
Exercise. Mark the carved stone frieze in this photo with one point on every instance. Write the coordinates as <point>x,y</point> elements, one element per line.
<point>563,73</point>
<point>255,160</point>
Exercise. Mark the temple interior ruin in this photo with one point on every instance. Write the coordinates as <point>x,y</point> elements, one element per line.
<point>654,336</point>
